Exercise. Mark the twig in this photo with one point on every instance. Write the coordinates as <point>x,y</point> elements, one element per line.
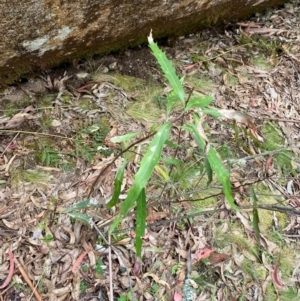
<point>259,155</point>
<point>110,269</point>
<point>27,279</point>
<point>279,119</point>
<point>181,118</point>
<point>119,155</point>
<point>37,284</point>
<point>114,249</point>
<point>35,133</point>
<point>271,207</point>
<point>9,144</point>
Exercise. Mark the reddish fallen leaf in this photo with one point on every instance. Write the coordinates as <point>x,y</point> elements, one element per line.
<point>266,30</point>
<point>137,268</point>
<point>269,163</point>
<point>215,257</point>
<point>154,216</point>
<point>13,144</point>
<point>177,296</point>
<point>253,103</point>
<point>275,275</point>
<point>180,283</point>
<point>80,89</point>
<point>204,253</point>
<point>248,27</point>
<point>252,25</point>
<point>188,67</point>
<point>79,260</point>
<point>11,270</point>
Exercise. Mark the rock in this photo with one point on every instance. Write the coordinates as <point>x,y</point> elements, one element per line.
<point>38,34</point>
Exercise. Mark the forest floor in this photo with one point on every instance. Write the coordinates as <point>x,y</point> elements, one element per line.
<point>57,136</point>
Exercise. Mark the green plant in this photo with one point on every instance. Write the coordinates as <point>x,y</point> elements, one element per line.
<point>154,289</point>
<point>48,238</point>
<point>196,105</point>
<point>83,286</point>
<point>89,141</point>
<point>99,269</point>
<point>50,156</point>
<point>187,105</point>
<point>176,267</point>
<point>85,268</point>
<point>126,297</point>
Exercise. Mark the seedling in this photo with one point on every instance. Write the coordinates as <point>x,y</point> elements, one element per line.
<point>154,155</point>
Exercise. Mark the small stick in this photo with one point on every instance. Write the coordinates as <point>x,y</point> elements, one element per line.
<point>279,119</point>
<point>111,297</point>
<point>27,279</point>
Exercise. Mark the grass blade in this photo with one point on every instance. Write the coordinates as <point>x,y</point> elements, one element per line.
<point>256,224</point>
<point>255,215</point>
<point>208,171</point>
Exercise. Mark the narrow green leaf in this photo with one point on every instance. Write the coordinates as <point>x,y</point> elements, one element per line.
<point>168,69</point>
<point>172,161</point>
<point>132,196</point>
<point>82,217</point>
<point>117,220</point>
<point>199,102</point>
<point>117,188</point>
<point>256,224</point>
<point>141,214</point>
<point>147,165</point>
<point>171,99</point>
<point>123,138</point>
<point>255,215</point>
<point>208,171</point>
<point>222,174</point>
<point>78,206</point>
<point>199,140</point>
<point>171,144</point>
<point>212,112</point>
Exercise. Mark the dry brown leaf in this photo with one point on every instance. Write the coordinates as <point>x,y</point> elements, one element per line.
<point>153,216</point>
<point>19,118</point>
<point>182,253</point>
<point>157,280</point>
<point>216,257</point>
<point>242,118</point>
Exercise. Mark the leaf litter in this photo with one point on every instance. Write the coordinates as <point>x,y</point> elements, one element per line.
<point>56,133</point>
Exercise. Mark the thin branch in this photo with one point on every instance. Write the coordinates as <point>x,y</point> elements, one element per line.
<point>35,133</point>
<point>9,144</point>
<point>27,279</point>
<point>271,207</point>
<point>112,162</point>
<point>260,155</point>
<point>111,297</point>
